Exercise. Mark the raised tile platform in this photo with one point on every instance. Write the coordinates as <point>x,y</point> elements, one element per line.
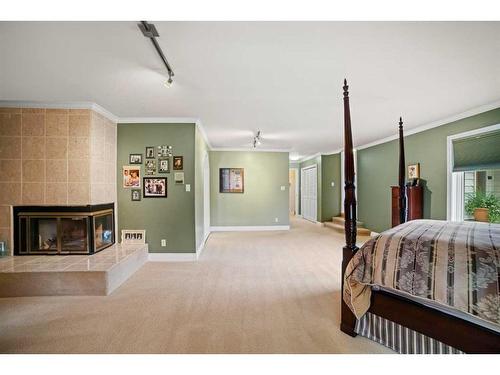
<point>70,275</point>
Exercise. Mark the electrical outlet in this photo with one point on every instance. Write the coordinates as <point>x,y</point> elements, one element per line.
<point>163,243</point>
<point>282,188</point>
<point>276,220</point>
<point>188,187</point>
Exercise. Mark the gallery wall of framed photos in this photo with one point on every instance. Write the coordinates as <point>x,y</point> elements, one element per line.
<point>157,161</point>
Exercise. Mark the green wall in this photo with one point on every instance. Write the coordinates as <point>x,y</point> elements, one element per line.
<point>330,196</point>
<point>171,218</point>
<point>200,151</point>
<point>263,199</point>
<point>378,170</point>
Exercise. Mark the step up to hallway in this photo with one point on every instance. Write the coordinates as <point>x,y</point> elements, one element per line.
<point>338,225</point>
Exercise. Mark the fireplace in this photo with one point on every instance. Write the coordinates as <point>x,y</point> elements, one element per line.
<point>42,230</point>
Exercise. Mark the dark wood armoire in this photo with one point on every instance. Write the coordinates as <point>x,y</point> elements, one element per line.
<point>415,203</point>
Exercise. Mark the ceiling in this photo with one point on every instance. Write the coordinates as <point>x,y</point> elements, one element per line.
<point>284,78</point>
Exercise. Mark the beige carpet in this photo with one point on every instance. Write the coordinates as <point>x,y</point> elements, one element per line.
<point>251,292</point>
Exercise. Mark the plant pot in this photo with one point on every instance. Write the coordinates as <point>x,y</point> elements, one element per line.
<point>481,214</point>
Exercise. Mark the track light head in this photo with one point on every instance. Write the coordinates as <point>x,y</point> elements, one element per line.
<point>256,139</point>
<point>168,83</point>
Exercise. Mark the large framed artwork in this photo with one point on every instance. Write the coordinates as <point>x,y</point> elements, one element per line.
<point>231,180</point>
<point>155,187</point>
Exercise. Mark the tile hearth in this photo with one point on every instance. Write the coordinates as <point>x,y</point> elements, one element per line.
<point>97,274</point>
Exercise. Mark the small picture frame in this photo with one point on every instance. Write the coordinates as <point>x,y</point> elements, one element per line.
<point>135,195</point>
<point>164,151</point>
<point>154,187</point>
<point>135,159</point>
<point>164,165</point>
<point>413,171</point>
<point>130,237</point>
<point>150,152</point>
<point>131,176</point>
<point>150,167</point>
<point>178,164</point>
<point>179,178</point>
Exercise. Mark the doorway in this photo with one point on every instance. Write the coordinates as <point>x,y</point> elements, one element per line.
<point>206,197</point>
<point>309,193</point>
<point>293,180</point>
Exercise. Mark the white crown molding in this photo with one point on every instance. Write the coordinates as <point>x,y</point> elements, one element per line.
<point>59,105</point>
<point>203,133</point>
<point>435,124</point>
<point>157,120</point>
<point>249,149</point>
<point>306,158</point>
<point>172,257</point>
<point>250,228</point>
<point>97,108</point>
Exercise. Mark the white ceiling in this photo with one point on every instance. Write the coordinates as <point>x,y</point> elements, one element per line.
<point>284,78</point>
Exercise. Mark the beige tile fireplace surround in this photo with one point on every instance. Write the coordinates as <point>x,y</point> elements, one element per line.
<point>54,157</point>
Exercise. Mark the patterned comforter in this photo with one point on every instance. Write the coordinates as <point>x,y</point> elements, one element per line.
<point>453,263</point>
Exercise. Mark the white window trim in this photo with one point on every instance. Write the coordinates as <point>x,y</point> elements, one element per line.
<point>455,183</point>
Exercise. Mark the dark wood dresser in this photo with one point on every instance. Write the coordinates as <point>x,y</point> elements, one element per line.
<point>415,196</point>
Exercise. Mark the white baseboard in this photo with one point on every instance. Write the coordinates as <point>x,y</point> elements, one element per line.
<point>172,257</point>
<point>202,246</point>
<point>249,228</point>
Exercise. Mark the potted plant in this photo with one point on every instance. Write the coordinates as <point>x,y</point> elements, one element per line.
<point>484,207</point>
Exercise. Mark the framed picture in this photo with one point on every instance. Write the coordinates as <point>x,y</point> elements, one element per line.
<point>133,236</point>
<point>164,165</point>
<point>150,152</point>
<point>150,167</point>
<point>155,187</point>
<point>131,176</point>
<point>135,159</point>
<point>413,171</point>
<point>231,180</point>
<point>164,151</point>
<point>178,163</point>
<point>136,195</point>
<point>179,177</point>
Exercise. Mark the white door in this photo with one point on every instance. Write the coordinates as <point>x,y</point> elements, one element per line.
<point>309,191</point>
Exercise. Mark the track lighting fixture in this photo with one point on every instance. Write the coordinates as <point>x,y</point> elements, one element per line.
<point>256,139</point>
<point>149,31</point>
<point>169,81</point>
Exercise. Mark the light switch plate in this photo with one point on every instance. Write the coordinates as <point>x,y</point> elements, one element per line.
<point>333,184</point>
<point>282,188</point>
<point>188,187</point>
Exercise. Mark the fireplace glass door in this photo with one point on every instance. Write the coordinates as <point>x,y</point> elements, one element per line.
<point>103,230</point>
<point>74,235</point>
<point>43,235</point>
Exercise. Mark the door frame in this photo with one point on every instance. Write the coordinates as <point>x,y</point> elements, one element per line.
<point>455,180</point>
<point>206,197</point>
<point>297,189</point>
<point>315,166</point>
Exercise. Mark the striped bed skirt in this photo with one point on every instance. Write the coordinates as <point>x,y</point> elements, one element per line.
<point>398,338</point>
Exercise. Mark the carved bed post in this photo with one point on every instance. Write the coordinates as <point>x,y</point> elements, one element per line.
<point>403,212</point>
<point>348,320</point>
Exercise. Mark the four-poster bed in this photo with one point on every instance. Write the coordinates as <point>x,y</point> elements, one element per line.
<point>378,302</point>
